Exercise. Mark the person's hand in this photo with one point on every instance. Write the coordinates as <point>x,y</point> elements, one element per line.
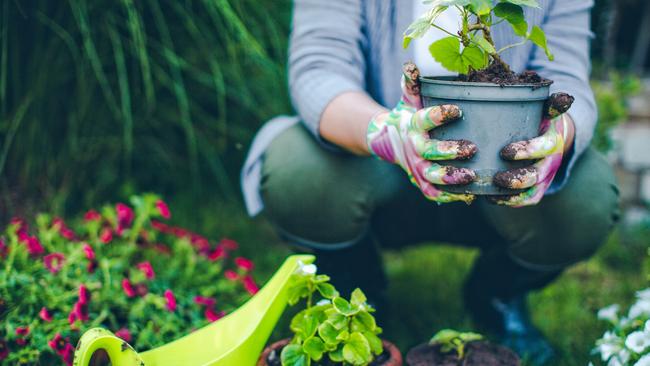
<point>400,136</point>
<point>549,147</point>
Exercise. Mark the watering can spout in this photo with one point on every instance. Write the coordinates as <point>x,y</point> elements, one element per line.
<point>236,339</point>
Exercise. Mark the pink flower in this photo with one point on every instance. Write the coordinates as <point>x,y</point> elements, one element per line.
<point>63,348</point>
<point>218,253</point>
<point>141,289</point>
<point>92,215</point>
<point>84,295</point>
<point>229,244</point>
<point>206,301</point>
<point>124,334</point>
<point>212,315</point>
<point>54,262</point>
<point>202,244</point>
<point>45,315</point>
<point>64,230</point>
<point>4,349</point>
<point>4,249</point>
<point>79,312</point>
<point>249,285</point>
<point>128,288</point>
<point>163,209</point>
<point>124,217</point>
<point>231,275</point>
<point>21,225</point>
<point>89,252</point>
<point>244,263</point>
<point>162,227</point>
<point>34,246</point>
<point>171,300</point>
<point>22,331</point>
<point>147,269</point>
<point>106,235</point>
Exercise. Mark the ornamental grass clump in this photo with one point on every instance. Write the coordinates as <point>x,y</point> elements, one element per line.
<point>122,268</point>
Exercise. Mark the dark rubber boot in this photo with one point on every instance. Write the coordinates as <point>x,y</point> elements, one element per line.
<point>495,295</point>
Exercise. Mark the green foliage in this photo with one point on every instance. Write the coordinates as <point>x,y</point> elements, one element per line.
<point>344,331</point>
<point>106,98</point>
<point>452,340</point>
<point>611,99</point>
<point>121,268</point>
<point>478,48</point>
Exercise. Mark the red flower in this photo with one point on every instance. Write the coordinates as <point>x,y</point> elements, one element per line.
<point>124,334</point>
<point>124,217</point>
<point>92,215</point>
<point>218,253</point>
<point>4,349</point>
<point>171,300</point>
<point>79,312</point>
<point>45,315</point>
<point>34,246</point>
<point>88,251</point>
<point>22,332</point>
<point>106,235</point>
<point>162,227</point>
<point>141,289</point>
<point>229,244</point>
<point>127,287</point>
<point>206,301</point>
<point>212,315</point>
<point>54,262</point>
<point>202,244</point>
<point>21,225</point>
<point>64,230</point>
<point>244,263</point>
<point>231,275</point>
<point>4,249</point>
<point>249,285</point>
<point>147,269</point>
<point>63,348</point>
<point>179,232</point>
<point>84,295</point>
<point>163,209</point>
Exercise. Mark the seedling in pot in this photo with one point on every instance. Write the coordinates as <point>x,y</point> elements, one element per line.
<point>451,340</point>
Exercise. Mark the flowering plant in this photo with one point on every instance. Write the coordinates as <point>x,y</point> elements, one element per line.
<point>121,268</point>
<point>333,327</point>
<point>628,342</point>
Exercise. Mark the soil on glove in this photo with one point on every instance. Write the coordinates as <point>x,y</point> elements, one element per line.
<point>497,73</point>
<point>476,354</point>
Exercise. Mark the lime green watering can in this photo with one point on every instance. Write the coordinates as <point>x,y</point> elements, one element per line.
<point>235,340</point>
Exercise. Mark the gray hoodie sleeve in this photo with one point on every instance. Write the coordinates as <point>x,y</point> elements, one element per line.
<point>567,25</point>
<point>325,55</point>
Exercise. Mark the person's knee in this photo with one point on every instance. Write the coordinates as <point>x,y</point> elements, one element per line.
<point>312,194</point>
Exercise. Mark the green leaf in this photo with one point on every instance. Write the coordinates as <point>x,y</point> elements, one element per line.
<point>447,52</point>
<point>514,15</point>
<point>328,332</point>
<point>327,290</point>
<point>293,355</point>
<point>375,343</point>
<point>421,25</point>
<point>303,324</point>
<point>357,350</point>
<point>484,44</point>
<point>539,38</point>
<point>343,336</point>
<point>337,354</point>
<point>530,3</point>
<point>470,337</point>
<point>338,320</point>
<point>314,347</point>
<point>344,307</point>
<point>367,320</point>
<point>358,298</point>
<point>481,7</point>
<point>444,336</point>
<point>321,278</point>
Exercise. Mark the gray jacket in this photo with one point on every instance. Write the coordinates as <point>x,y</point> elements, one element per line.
<point>356,45</point>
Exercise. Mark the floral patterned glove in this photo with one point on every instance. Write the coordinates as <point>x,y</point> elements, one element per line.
<point>549,147</point>
<point>400,136</point>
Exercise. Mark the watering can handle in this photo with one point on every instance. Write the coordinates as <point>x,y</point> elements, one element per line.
<point>120,352</point>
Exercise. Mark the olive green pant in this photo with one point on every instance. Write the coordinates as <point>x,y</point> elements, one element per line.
<point>330,199</point>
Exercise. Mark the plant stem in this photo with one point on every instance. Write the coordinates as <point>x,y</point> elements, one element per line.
<point>512,45</point>
<point>488,37</point>
<point>446,31</point>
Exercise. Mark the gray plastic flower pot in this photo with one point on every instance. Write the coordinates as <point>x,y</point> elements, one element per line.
<point>493,116</point>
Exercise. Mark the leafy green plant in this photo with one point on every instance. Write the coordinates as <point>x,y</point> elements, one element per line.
<point>451,340</point>
<point>122,268</point>
<point>478,50</point>
<point>344,331</point>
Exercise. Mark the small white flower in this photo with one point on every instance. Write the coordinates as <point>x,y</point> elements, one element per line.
<point>640,308</point>
<point>323,302</point>
<point>647,326</point>
<point>643,294</point>
<point>638,341</point>
<point>306,269</point>
<point>609,313</point>
<point>609,345</point>
<point>643,361</point>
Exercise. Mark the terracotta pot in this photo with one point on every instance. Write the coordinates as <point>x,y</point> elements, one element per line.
<point>394,360</point>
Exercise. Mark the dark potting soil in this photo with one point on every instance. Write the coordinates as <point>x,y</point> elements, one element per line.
<point>497,73</point>
<point>274,359</point>
<point>476,354</point>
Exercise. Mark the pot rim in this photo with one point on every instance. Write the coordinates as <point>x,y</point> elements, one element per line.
<point>449,80</point>
<point>394,360</point>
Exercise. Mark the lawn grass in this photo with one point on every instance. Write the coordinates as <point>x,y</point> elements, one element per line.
<point>425,285</point>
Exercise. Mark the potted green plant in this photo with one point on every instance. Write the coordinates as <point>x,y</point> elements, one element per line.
<point>330,330</point>
<point>449,347</point>
<point>487,91</point>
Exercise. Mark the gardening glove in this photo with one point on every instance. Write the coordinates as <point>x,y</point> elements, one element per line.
<point>401,136</point>
<point>549,147</point>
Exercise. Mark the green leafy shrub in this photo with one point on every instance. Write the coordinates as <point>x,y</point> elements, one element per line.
<point>333,327</point>
<point>452,340</point>
<point>478,50</point>
<point>120,268</point>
